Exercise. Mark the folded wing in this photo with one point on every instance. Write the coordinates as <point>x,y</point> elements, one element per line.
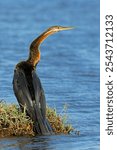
<point>35,108</point>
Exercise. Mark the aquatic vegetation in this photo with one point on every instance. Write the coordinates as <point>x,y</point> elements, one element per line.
<point>58,122</point>
<point>13,122</point>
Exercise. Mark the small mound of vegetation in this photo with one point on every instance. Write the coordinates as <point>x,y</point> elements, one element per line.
<point>13,122</point>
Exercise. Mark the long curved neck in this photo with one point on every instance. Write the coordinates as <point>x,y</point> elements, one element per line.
<point>34,55</point>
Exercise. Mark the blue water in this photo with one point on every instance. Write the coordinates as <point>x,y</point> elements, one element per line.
<point>69,66</point>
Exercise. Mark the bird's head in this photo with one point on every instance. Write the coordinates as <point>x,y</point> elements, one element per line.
<point>55,29</point>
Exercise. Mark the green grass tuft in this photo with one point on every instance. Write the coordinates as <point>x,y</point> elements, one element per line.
<point>58,121</point>
<point>13,122</point>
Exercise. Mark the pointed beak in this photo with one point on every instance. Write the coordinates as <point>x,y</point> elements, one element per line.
<point>65,28</point>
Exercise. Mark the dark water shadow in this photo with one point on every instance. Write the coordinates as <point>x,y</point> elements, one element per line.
<point>22,143</point>
<point>38,142</point>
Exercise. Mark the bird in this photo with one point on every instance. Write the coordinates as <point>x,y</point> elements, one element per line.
<point>27,86</point>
